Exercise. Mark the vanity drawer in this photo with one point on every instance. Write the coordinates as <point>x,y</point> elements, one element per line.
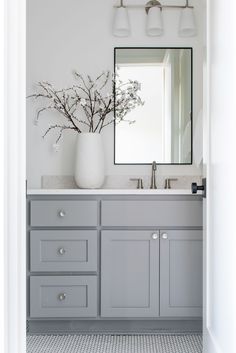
<point>63,296</point>
<point>63,213</point>
<point>162,213</point>
<point>63,250</point>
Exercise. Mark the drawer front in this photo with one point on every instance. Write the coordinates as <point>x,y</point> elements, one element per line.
<point>63,250</point>
<point>161,213</point>
<point>63,213</point>
<point>63,296</point>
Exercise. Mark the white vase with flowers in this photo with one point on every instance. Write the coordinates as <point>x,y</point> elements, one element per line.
<point>87,108</point>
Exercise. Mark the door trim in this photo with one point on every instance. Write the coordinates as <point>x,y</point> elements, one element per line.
<point>15,176</point>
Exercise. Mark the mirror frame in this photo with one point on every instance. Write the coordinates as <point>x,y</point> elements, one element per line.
<point>191,95</point>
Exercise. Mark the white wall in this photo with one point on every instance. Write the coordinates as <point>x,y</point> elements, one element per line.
<point>220,323</point>
<point>63,35</point>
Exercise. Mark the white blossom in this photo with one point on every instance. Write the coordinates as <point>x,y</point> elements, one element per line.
<point>56,147</point>
<point>87,105</point>
<point>83,102</point>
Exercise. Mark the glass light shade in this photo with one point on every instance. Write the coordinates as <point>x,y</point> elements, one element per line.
<point>121,26</point>
<point>154,22</point>
<point>187,24</point>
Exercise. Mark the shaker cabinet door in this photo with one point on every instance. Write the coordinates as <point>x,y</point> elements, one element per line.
<point>130,274</point>
<point>181,273</point>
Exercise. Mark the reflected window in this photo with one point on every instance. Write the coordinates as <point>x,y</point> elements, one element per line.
<point>163,128</point>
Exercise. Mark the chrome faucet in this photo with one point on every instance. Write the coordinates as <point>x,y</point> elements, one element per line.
<point>153,178</point>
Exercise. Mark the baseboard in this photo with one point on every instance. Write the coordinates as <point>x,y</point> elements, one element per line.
<point>210,344</point>
<point>115,327</point>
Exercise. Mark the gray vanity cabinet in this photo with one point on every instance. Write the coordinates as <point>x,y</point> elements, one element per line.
<point>113,263</point>
<point>129,273</point>
<point>181,273</point>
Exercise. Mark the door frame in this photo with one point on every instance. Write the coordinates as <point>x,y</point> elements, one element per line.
<point>212,340</point>
<point>14,51</point>
<point>15,176</point>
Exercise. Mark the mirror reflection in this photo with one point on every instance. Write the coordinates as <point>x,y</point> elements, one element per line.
<point>162,130</point>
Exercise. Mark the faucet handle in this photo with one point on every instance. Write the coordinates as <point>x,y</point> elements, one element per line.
<point>167,182</point>
<point>139,182</point>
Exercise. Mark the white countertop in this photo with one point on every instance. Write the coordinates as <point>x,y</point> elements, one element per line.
<point>109,192</point>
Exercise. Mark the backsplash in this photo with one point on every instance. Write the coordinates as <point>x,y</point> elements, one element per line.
<point>120,181</point>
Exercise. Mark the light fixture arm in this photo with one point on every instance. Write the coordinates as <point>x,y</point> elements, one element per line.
<point>121,3</point>
<point>152,3</point>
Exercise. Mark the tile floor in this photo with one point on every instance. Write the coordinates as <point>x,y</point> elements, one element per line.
<point>115,344</point>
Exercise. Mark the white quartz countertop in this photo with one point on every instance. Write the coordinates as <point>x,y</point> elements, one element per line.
<point>109,192</point>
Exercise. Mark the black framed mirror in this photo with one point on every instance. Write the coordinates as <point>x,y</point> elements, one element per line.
<point>162,128</point>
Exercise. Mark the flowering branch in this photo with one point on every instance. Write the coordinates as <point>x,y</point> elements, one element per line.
<point>88,98</point>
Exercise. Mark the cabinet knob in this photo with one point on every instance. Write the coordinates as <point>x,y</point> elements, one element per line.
<point>62,296</point>
<point>164,236</point>
<point>61,251</point>
<point>61,213</point>
<point>154,236</point>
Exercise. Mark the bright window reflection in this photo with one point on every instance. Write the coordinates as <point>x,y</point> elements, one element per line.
<point>144,137</point>
<point>163,126</point>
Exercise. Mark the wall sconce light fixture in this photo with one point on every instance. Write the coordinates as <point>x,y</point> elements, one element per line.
<point>121,26</point>
<point>154,25</point>
<point>154,18</point>
<point>187,24</point>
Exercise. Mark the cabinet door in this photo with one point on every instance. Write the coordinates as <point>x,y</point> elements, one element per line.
<point>181,273</point>
<point>130,274</point>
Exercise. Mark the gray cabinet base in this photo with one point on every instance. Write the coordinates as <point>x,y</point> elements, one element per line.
<point>114,326</point>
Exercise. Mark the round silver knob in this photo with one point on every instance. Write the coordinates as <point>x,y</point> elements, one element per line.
<point>61,213</point>
<point>62,296</point>
<point>154,236</point>
<point>164,236</point>
<point>61,251</point>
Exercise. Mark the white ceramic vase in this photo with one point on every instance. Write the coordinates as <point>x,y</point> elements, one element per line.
<point>89,161</point>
